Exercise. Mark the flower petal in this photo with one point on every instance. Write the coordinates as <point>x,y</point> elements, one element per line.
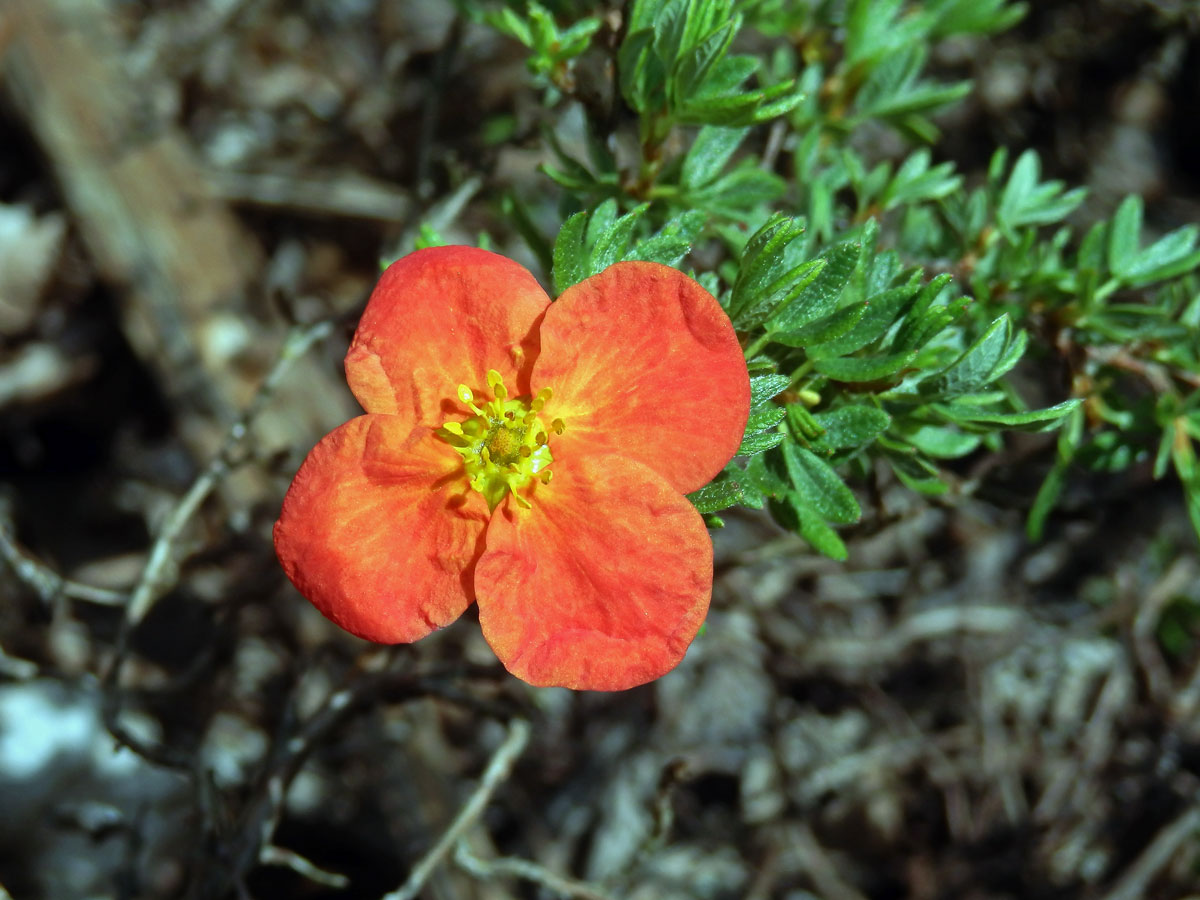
<point>644,363</point>
<point>601,585</point>
<point>439,318</point>
<point>380,533</point>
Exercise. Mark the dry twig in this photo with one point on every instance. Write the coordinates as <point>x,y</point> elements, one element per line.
<point>158,576</point>
<point>1161,851</point>
<point>155,580</point>
<point>527,870</point>
<point>1145,626</point>
<point>497,771</point>
<point>880,650</point>
<point>47,583</point>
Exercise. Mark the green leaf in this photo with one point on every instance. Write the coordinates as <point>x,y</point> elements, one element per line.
<point>919,329</point>
<point>814,530</point>
<point>673,241</point>
<point>710,151</point>
<point>882,311</point>
<point>570,262</point>
<point>767,417</point>
<point>1026,201</point>
<point>913,470</point>
<point>611,245</point>
<point>850,427</point>
<point>953,17</point>
<point>694,68</point>
<point>795,515</point>
<point>761,284</point>
<point>915,182</point>
<point>817,485</point>
<point>909,330</point>
<point>973,370</point>
<point>1124,236</point>
<point>762,476</point>
<point>728,75</point>
<point>1045,501</point>
<point>759,443</point>
<point>1023,420</point>
<point>764,387</point>
<point>1170,256</point>
<point>506,21</point>
<point>941,442</point>
<point>575,39</point>
<point>643,75</point>
<point>815,297</point>
<point>716,496</point>
<point>855,369</point>
<point>825,329</point>
<point>739,191</point>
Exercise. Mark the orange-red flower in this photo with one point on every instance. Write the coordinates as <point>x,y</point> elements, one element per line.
<point>528,456</point>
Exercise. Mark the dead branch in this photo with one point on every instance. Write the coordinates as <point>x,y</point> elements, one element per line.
<point>44,581</point>
<point>156,579</point>
<point>150,220</point>
<point>342,194</point>
<point>1145,625</point>
<point>854,653</point>
<point>146,213</point>
<point>821,869</point>
<point>497,771</point>
<point>527,870</point>
<point>1161,851</point>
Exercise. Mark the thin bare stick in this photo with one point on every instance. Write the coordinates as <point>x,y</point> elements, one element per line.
<point>1161,851</point>
<point>497,771</point>
<point>343,194</point>
<point>272,855</point>
<point>821,869</point>
<point>157,577</point>
<point>18,669</point>
<point>511,867</point>
<point>47,583</point>
<point>879,650</point>
<point>1145,626</point>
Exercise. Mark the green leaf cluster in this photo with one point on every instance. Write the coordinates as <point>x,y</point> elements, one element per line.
<point>552,49</point>
<point>894,318</point>
<point>676,67</point>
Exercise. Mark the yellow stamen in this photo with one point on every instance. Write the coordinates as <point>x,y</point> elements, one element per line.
<point>504,445</point>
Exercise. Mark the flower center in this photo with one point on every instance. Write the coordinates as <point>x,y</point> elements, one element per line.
<point>504,446</point>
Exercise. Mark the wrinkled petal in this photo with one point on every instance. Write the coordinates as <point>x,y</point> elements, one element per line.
<point>439,318</point>
<point>380,532</point>
<point>644,363</point>
<point>601,585</point>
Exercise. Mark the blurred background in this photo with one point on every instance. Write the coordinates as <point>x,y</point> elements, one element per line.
<point>195,198</point>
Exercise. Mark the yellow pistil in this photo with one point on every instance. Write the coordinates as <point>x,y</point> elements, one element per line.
<point>504,445</point>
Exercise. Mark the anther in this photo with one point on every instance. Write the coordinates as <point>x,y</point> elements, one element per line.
<point>559,426</point>
<point>496,383</point>
<point>526,452</point>
<point>540,400</point>
<point>465,395</point>
<point>541,439</point>
<point>545,475</point>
